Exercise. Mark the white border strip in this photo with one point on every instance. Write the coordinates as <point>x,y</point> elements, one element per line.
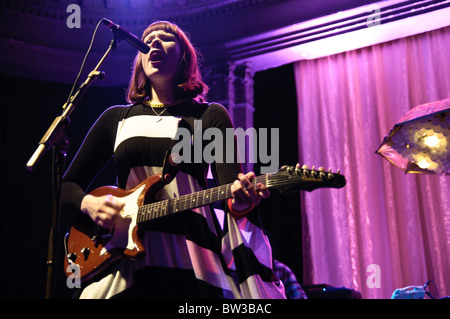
<point>343,42</point>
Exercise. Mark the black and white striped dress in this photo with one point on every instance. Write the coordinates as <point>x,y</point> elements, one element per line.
<point>200,253</point>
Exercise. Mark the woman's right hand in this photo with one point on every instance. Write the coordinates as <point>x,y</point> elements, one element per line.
<point>103,210</point>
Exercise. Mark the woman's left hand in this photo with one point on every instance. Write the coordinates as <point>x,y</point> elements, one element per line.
<point>245,193</point>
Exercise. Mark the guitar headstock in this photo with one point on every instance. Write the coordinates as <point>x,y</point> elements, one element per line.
<point>303,178</point>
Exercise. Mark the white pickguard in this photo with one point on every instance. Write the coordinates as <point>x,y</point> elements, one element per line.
<point>122,236</point>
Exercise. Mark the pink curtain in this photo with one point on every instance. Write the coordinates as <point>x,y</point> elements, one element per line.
<point>385,229</point>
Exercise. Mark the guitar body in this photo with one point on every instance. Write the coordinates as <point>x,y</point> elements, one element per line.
<point>93,249</point>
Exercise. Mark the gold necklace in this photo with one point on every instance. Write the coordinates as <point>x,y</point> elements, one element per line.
<point>158,105</point>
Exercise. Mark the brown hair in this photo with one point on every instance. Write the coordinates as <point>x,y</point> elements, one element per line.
<point>189,80</point>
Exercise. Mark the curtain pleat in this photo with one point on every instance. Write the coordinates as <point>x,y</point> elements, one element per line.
<point>398,222</point>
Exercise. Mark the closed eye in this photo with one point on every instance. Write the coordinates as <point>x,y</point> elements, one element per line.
<point>162,37</point>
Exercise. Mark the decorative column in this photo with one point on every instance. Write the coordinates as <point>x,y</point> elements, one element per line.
<point>240,105</point>
<point>232,86</point>
<point>240,94</point>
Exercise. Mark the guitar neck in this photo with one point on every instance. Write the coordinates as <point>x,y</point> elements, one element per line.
<point>285,179</point>
<point>190,201</point>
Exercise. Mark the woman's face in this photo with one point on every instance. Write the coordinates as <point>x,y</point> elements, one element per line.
<point>161,62</point>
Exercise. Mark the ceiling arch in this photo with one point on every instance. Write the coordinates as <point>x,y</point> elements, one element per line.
<point>37,42</point>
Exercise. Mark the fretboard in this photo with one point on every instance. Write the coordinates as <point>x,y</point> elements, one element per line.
<point>285,179</point>
<point>189,201</point>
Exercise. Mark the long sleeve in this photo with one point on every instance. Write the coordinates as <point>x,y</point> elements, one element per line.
<point>226,168</point>
<point>94,153</point>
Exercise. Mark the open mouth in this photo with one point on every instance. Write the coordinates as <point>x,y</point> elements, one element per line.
<point>156,56</point>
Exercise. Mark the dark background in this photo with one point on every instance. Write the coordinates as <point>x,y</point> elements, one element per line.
<point>29,107</point>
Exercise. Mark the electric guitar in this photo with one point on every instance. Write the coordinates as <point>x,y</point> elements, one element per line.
<point>92,248</point>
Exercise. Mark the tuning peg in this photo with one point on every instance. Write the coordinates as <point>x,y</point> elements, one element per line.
<point>313,168</point>
<point>305,167</point>
<point>338,171</point>
<point>321,171</point>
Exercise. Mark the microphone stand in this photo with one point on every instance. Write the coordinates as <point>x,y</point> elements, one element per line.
<point>56,139</point>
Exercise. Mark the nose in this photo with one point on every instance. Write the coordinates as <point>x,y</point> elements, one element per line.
<point>156,42</point>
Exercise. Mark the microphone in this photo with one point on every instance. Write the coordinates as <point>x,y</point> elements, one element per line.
<point>126,35</point>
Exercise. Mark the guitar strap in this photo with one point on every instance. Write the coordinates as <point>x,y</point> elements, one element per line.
<point>170,165</point>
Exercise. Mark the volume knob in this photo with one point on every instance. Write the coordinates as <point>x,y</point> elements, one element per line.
<point>71,257</point>
<point>85,251</point>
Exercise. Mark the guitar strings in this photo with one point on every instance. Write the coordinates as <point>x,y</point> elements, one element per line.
<point>274,180</point>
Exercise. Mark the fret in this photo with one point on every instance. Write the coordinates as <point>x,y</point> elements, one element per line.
<point>176,205</point>
<point>140,213</point>
<point>207,196</point>
<point>158,209</point>
<point>222,192</point>
<point>201,198</point>
<point>151,211</point>
<point>144,213</point>
<point>186,199</point>
<point>162,208</point>
<point>214,194</point>
<point>147,212</point>
<point>194,199</point>
<point>180,203</point>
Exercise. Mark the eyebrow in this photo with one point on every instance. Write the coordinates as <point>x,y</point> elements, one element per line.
<point>160,32</point>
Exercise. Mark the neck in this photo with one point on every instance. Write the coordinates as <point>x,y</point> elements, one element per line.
<point>163,94</point>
